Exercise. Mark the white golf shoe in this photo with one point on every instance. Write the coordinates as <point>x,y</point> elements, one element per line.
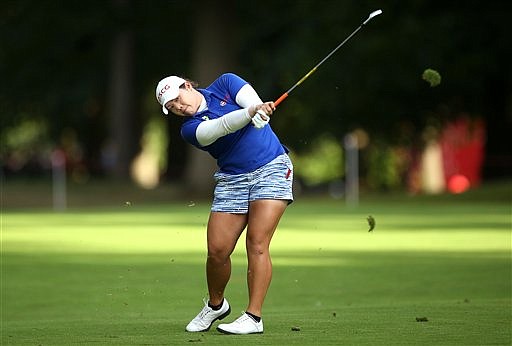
<point>204,320</point>
<point>244,324</point>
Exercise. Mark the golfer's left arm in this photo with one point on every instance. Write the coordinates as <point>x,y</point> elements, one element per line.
<point>210,130</point>
<point>246,97</point>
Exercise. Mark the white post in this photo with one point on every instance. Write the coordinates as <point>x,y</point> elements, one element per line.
<point>351,170</point>
<point>58,159</point>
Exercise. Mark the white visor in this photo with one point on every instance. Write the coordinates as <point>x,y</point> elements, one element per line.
<point>168,89</point>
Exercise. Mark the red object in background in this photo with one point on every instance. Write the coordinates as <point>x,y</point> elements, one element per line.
<point>458,183</point>
<point>462,143</point>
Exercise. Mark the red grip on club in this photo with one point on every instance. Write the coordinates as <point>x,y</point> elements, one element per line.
<point>280,99</point>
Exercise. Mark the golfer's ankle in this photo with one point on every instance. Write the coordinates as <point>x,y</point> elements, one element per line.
<point>216,307</point>
<point>253,316</point>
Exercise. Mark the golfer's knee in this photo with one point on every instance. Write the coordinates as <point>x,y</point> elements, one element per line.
<point>218,255</point>
<point>257,248</point>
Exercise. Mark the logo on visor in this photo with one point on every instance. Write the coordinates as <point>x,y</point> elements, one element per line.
<point>162,92</point>
<point>222,103</point>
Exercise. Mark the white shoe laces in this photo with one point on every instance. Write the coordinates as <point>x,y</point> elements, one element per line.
<point>243,318</point>
<point>206,309</point>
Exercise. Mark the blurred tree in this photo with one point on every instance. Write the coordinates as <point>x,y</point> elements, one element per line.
<point>121,143</point>
<point>56,66</point>
<point>53,68</point>
<point>214,44</point>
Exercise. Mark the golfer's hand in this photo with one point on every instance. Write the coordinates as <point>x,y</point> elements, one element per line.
<point>260,114</point>
<point>260,119</point>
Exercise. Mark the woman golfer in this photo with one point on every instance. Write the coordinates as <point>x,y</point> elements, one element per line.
<point>253,186</point>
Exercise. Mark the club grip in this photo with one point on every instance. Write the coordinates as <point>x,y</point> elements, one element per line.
<point>280,99</point>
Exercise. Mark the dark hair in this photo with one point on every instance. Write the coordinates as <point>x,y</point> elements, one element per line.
<point>193,83</point>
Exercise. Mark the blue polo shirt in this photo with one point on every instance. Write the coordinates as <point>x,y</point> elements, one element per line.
<point>239,152</point>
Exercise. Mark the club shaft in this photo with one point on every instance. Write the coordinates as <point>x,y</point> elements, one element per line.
<point>285,95</point>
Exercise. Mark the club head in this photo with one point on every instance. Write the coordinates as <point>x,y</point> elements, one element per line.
<point>373,14</point>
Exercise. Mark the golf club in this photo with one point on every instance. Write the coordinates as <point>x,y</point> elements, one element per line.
<point>285,95</point>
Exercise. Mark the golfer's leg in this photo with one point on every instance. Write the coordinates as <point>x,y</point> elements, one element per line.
<point>224,229</point>
<point>264,216</point>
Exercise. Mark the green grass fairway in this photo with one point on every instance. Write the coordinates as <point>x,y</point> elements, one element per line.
<point>135,275</point>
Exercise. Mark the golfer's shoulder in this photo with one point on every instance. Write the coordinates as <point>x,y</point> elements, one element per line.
<point>229,75</point>
<point>228,80</point>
